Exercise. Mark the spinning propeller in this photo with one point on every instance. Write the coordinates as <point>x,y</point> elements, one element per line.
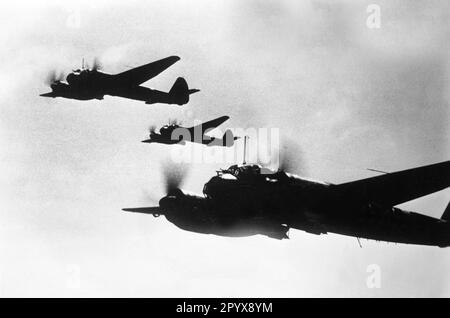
<point>54,77</point>
<point>152,129</point>
<point>173,177</point>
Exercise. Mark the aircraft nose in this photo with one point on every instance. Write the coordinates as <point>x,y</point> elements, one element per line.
<point>167,203</point>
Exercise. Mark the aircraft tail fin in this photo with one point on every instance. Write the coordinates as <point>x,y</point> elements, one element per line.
<point>229,138</point>
<point>179,93</point>
<point>446,214</point>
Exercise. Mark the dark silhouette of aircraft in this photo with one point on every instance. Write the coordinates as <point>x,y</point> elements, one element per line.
<point>245,200</point>
<point>87,84</point>
<point>173,133</point>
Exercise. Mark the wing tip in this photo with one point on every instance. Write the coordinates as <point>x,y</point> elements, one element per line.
<point>193,91</point>
<point>175,58</point>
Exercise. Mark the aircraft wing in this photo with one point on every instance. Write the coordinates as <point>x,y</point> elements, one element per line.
<point>209,125</point>
<point>398,187</point>
<point>141,74</point>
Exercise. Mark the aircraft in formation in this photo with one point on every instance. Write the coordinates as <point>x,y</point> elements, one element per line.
<point>249,199</point>
<point>173,133</point>
<point>88,84</point>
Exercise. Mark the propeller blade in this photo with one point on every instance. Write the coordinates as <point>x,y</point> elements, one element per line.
<point>53,77</point>
<point>289,158</point>
<point>174,175</point>
<point>152,129</point>
<point>286,162</point>
<point>151,197</point>
<point>96,64</point>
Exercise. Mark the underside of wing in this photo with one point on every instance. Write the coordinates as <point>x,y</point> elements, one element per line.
<point>141,74</point>
<point>209,125</point>
<point>398,187</point>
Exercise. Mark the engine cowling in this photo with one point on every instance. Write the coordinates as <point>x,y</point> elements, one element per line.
<point>72,79</point>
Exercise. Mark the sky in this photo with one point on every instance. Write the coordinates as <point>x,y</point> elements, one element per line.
<point>346,96</point>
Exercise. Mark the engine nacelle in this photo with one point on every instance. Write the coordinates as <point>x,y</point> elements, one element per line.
<point>72,79</point>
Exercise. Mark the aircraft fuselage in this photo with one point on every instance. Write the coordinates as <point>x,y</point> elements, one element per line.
<point>95,85</point>
<point>232,207</point>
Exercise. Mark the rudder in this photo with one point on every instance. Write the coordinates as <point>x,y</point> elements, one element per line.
<point>179,93</point>
<point>228,138</point>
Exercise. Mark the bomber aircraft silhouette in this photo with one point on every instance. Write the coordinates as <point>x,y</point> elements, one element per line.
<point>173,133</point>
<point>87,84</point>
<point>246,200</point>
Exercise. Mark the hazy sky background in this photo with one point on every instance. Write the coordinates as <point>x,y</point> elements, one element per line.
<point>351,97</point>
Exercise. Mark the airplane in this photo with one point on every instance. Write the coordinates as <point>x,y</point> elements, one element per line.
<point>173,133</point>
<point>88,84</point>
<point>248,199</point>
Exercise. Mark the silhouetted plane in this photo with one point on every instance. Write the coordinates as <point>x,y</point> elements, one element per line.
<point>86,84</point>
<point>175,134</point>
<point>243,201</point>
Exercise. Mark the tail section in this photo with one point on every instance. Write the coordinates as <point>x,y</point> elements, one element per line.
<point>228,138</point>
<point>179,93</point>
<point>446,215</point>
